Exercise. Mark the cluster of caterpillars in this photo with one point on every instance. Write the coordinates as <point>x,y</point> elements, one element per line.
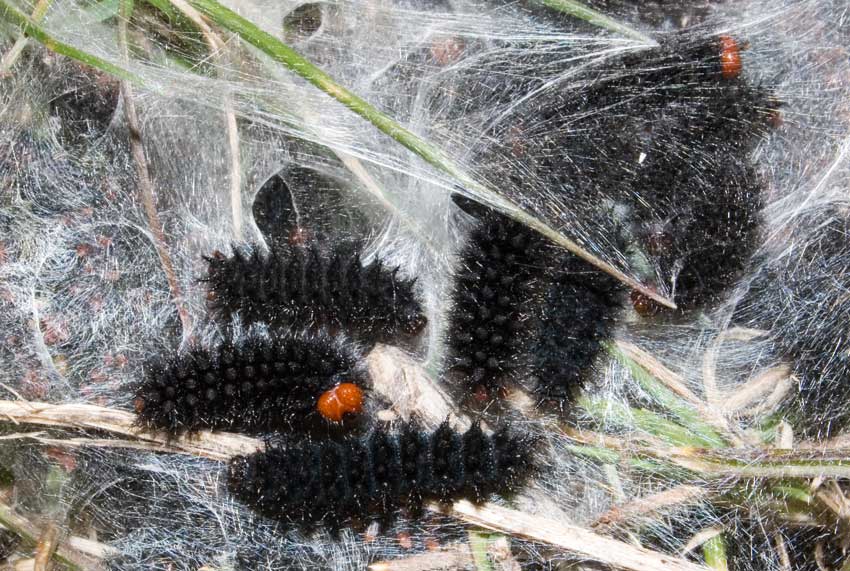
<point>676,153</point>
<point>520,309</point>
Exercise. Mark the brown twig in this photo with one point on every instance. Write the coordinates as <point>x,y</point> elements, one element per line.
<point>45,548</point>
<point>145,184</point>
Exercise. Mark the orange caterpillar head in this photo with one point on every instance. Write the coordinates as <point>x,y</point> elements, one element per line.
<point>345,398</point>
<point>730,57</point>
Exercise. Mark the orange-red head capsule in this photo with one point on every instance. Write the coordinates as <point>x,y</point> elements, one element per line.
<point>342,399</point>
<point>730,57</point>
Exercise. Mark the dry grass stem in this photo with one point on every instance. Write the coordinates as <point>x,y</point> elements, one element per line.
<point>216,446</point>
<point>455,557</point>
<point>10,57</point>
<point>46,547</point>
<point>782,551</point>
<point>758,388</point>
<point>577,541</point>
<point>145,185</point>
<point>699,538</point>
<point>627,513</point>
<point>654,367</point>
<point>412,391</point>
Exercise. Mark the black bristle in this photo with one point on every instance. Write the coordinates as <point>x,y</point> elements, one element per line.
<point>312,287</point>
<point>300,482</point>
<point>492,291</point>
<point>257,384</point>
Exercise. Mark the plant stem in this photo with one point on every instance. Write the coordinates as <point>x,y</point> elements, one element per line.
<point>17,48</point>
<point>433,155</point>
<point>647,421</point>
<point>687,414</point>
<point>478,544</point>
<point>714,551</point>
<point>31,29</point>
<point>145,185</point>
<point>591,16</point>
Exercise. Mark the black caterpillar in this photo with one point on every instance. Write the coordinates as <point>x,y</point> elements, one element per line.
<point>256,385</point>
<point>305,484</point>
<point>521,304</point>
<point>312,288</point>
<point>575,317</point>
<point>666,133</point>
<point>494,284</point>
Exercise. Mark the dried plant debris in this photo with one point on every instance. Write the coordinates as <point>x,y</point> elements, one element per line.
<point>9,542</point>
<point>524,311</point>
<point>665,134</point>
<point>801,297</point>
<point>304,483</point>
<point>255,384</point>
<point>314,287</point>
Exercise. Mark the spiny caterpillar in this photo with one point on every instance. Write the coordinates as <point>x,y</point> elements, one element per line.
<point>521,304</point>
<point>667,135</point>
<point>489,320</point>
<point>257,384</point>
<point>312,287</point>
<point>306,484</point>
<point>576,315</point>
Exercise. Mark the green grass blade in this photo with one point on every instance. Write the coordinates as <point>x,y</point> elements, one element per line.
<point>591,16</point>
<point>684,411</point>
<point>714,551</point>
<point>32,30</point>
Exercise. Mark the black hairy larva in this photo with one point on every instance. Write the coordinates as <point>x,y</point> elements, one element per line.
<point>523,307</point>
<point>576,315</point>
<point>489,323</point>
<point>667,134</point>
<point>312,287</point>
<point>256,384</point>
<point>304,483</point>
